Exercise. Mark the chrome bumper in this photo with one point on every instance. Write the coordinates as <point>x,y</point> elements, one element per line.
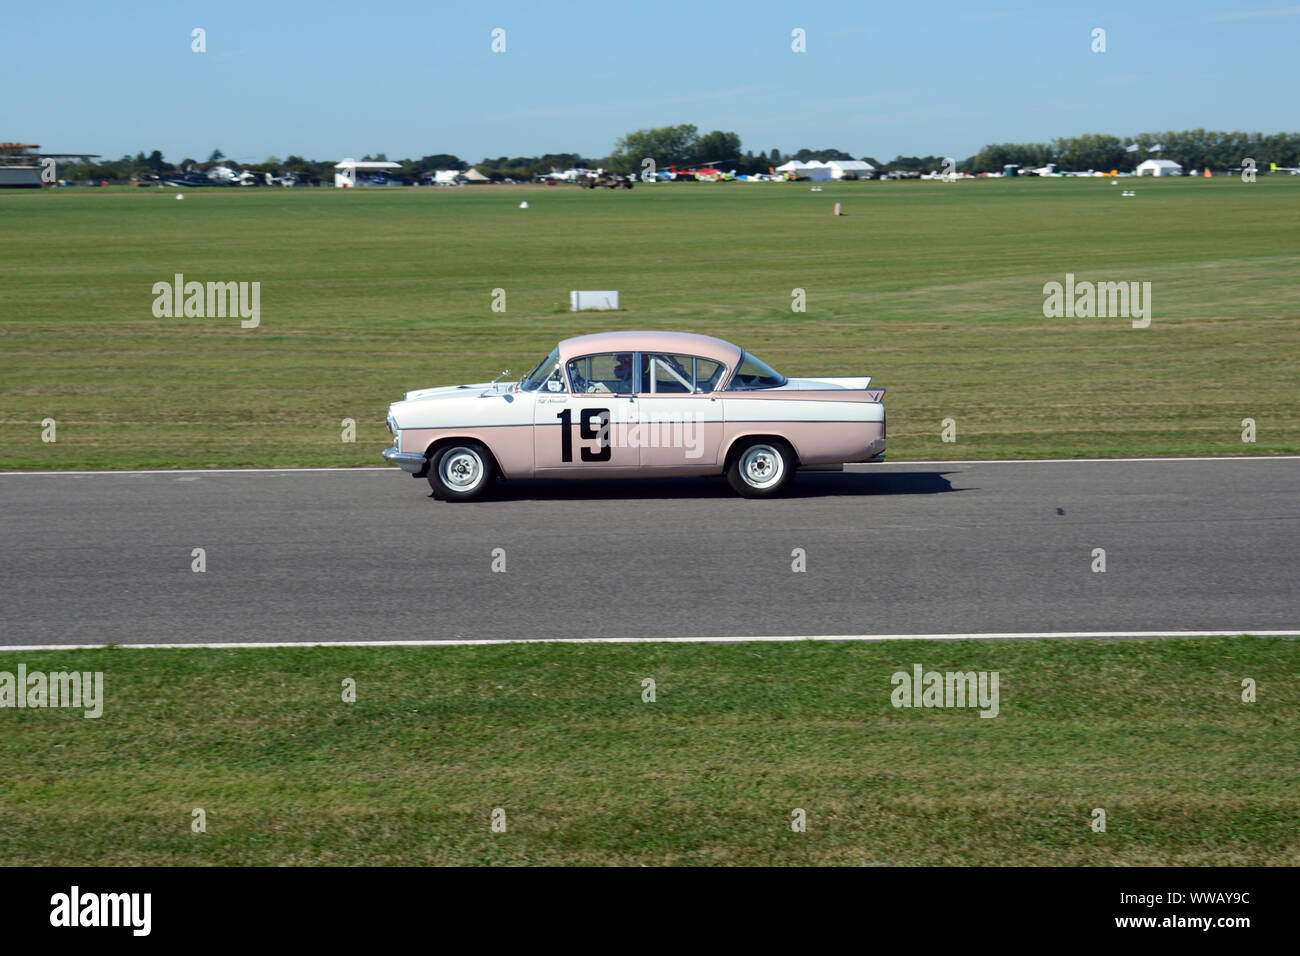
<point>412,463</point>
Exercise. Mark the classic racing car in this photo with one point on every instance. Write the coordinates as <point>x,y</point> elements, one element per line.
<point>637,404</point>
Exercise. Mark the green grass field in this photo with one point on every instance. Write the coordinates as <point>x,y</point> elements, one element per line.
<point>1154,732</point>
<point>936,289</point>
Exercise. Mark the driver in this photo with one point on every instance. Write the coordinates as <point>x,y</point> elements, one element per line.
<point>623,371</point>
<point>622,382</point>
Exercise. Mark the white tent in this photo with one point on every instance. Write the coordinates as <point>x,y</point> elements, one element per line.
<point>345,172</point>
<point>1159,167</point>
<point>817,171</point>
<point>793,166</point>
<point>854,167</point>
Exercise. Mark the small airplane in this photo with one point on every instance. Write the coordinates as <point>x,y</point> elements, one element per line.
<point>710,174</point>
<point>704,174</point>
<point>248,178</point>
<point>194,178</point>
<point>1275,168</point>
<point>568,175</point>
<point>190,179</point>
<point>223,174</point>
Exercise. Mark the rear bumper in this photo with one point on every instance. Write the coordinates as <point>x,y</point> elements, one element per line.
<point>415,464</point>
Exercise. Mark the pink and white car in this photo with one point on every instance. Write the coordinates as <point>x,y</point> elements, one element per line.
<point>638,404</point>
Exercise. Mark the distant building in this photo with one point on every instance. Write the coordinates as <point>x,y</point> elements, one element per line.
<point>20,168</point>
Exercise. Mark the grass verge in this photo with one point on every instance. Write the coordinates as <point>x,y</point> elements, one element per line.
<point>739,736</point>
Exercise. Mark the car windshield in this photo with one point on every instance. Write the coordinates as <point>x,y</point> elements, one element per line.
<point>547,368</point>
<point>754,373</point>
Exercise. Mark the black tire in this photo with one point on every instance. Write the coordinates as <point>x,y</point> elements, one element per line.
<point>461,471</point>
<point>761,468</point>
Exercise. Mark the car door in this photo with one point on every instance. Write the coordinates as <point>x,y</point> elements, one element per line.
<point>679,421</point>
<point>583,429</point>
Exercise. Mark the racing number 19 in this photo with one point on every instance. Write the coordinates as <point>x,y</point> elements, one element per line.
<point>588,432</point>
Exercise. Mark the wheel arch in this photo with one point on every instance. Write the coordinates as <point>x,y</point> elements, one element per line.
<point>438,444</point>
<point>740,441</point>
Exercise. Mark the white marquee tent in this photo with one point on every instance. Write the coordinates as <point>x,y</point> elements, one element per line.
<point>345,172</point>
<point>855,167</point>
<point>816,170</point>
<point>1159,167</point>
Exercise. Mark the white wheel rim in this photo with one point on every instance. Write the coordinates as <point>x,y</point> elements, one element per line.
<point>461,469</point>
<point>762,466</point>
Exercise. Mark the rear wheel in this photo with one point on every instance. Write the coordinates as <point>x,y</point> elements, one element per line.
<point>461,471</point>
<point>761,468</point>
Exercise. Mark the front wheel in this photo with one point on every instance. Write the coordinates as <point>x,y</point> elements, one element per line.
<point>761,468</point>
<point>461,471</point>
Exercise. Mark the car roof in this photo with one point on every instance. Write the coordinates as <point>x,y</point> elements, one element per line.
<point>672,343</point>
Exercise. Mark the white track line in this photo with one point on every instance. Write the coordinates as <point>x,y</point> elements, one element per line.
<point>345,469</point>
<point>1027,635</point>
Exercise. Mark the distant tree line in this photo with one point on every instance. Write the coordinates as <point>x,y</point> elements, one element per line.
<point>1193,149</point>
<point>685,146</point>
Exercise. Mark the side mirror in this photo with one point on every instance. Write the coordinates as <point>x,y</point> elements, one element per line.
<point>553,386</point>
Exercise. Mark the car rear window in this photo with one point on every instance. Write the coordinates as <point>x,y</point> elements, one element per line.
<point>754,373</point>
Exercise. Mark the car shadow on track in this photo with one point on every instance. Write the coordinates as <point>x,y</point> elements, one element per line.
<point>806,485</point>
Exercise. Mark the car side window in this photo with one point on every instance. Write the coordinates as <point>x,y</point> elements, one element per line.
<point>609,373</point>
<point>707,374</point>
<point>671,374</point>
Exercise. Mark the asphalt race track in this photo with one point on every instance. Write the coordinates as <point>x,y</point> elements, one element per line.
<point>897,548</point>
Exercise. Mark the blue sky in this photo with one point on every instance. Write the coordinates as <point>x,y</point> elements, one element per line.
<point>880,79</point>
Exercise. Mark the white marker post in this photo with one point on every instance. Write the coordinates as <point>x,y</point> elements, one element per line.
<point>579,301</point>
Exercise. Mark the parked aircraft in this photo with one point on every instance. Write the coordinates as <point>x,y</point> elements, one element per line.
<point>568,175</point>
